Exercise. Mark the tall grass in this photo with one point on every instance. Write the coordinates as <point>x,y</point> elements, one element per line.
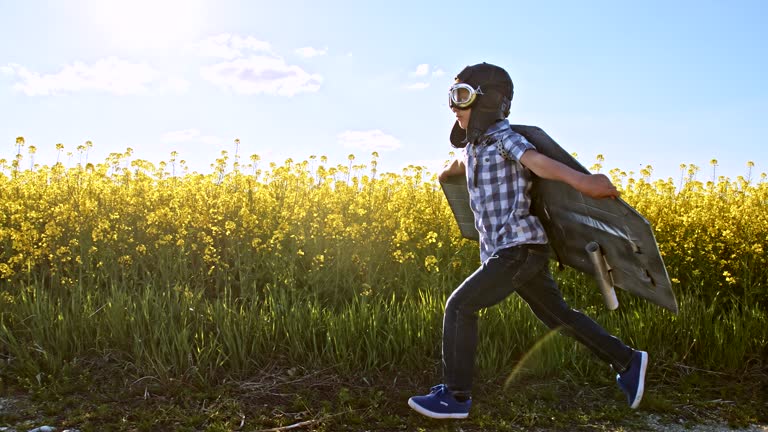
<point>205,277</point>
<point>184,335</point>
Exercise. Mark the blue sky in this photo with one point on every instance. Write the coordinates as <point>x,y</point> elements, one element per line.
<point>659,83</point>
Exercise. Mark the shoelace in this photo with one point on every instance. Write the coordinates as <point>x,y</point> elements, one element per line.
<point>436,389</point>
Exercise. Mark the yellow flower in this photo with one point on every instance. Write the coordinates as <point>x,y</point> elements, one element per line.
<point>5,271</point>
<point>430,264</point>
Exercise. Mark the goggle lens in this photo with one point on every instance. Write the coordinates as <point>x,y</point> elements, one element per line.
<point>462,95</point>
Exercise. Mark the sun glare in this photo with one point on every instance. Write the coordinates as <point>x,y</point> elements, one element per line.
<point>145,24</point>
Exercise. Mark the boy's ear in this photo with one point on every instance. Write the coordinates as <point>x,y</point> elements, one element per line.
<point>505,106</point>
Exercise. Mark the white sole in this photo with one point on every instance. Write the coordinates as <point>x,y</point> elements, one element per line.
<point>421,410</point>
<point>641,381</point>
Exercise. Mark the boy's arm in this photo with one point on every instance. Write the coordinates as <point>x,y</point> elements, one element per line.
<point>454,168</point>
<point>592,185</point>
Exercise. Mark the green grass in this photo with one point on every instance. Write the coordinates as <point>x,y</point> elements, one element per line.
<point>180,333</point>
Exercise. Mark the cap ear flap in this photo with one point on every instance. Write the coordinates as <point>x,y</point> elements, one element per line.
<point>458,136</point>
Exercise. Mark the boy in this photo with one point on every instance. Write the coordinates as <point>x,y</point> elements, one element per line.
<point>498,164</point>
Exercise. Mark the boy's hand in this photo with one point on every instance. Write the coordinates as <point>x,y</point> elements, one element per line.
<point>444,174</point>
<point>596,186</point>
<point>455,167</point>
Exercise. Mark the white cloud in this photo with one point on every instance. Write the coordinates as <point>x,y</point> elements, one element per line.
<point>371,140</point>
<point>421,70</point>
<point>310,52</point>
<point>190,136</point>
<point>418,86</point>
<point>110,75</point>
<point>253,68</point>
<point>262,74</point>
<point>229,46</point>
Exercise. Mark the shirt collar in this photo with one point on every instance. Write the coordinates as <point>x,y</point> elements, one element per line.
<point>497,127</point>
<point>494,129</point>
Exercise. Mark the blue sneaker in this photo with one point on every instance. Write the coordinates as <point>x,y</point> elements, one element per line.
<point>440,404</point>
<point>632,380</point>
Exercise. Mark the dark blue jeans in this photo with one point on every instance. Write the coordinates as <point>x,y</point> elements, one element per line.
<point>523,269</point>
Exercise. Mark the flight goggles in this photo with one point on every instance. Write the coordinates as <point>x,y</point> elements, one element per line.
<point>462,95</point>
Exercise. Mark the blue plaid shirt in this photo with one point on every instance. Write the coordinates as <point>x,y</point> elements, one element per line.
<point>499,190</point>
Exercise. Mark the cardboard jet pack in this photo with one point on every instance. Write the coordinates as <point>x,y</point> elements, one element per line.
<point>605,238</point>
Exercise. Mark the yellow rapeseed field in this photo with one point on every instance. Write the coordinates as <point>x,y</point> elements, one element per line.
<point>342,229</point>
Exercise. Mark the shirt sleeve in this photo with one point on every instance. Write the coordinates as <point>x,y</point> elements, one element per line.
<point>515,145</point>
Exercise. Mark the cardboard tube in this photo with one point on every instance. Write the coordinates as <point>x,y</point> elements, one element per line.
<point>603,275</point>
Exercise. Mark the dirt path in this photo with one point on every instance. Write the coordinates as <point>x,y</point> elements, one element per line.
<point>651,422</point>
<point>654,423</point>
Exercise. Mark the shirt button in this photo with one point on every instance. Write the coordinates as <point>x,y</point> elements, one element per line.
<point>487,159</point>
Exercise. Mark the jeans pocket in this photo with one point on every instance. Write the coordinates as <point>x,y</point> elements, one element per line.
<point>526,259</point>
<point>513,256</point>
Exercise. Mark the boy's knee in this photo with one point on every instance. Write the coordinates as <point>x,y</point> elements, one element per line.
<point>455,305</point>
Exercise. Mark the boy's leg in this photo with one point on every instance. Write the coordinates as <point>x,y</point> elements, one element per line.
<point>546,301</point>
<point>494,281</point>
<point>488,285</point>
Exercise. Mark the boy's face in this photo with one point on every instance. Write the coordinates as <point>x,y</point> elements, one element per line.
<point>462,116</point>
